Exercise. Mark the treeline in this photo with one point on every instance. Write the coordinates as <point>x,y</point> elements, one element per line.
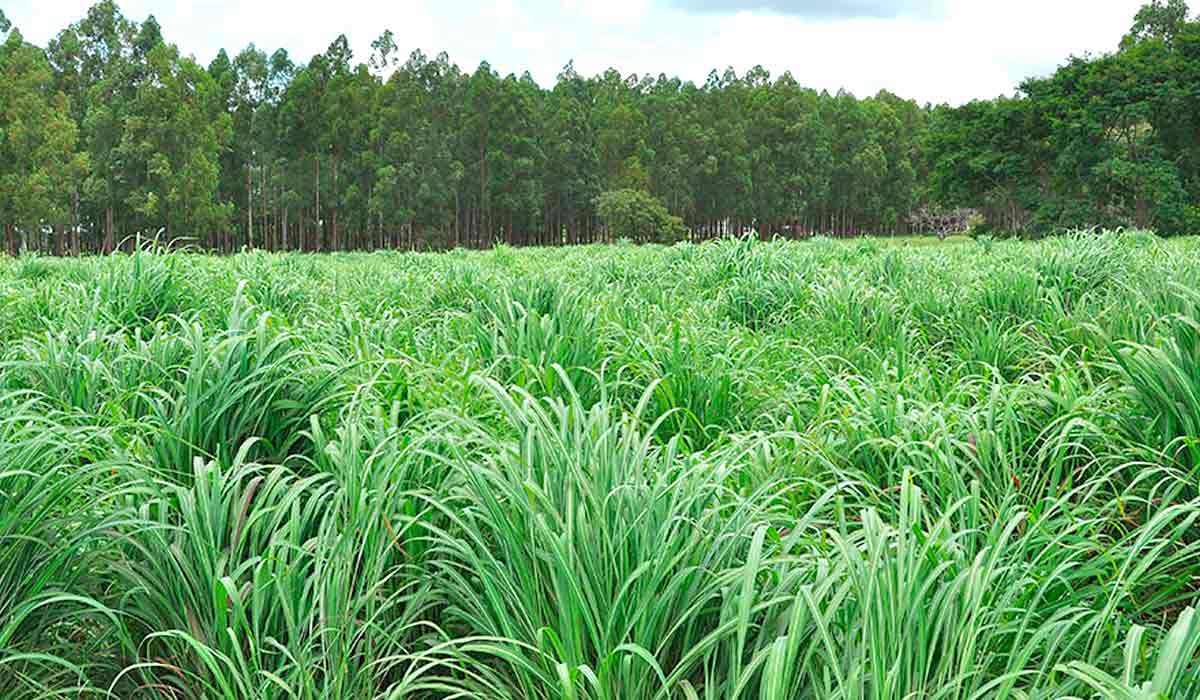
<point>1106,141</point>
<point>109,132</point>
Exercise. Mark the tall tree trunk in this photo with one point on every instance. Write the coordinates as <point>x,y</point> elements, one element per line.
<point>74,244</point>
<point>1141,216</point>
<point>266,231</point>
<point>109,242</point>
<point>336,242</point>
<point>249,207</point>
<point>482,223</point>
<point>317,212</point>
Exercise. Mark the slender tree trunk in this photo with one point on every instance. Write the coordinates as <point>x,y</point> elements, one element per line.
<point>336,242</point>
<point>482,223</point>
<point>457,218</point>
<point>1141,216</point>
<point>262,183</point>
<point>109,242</point>
<point>249,206</point>
<point>317,212</point>
<point>75,223</point>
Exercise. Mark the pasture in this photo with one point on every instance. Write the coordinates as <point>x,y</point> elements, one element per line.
<point>827,470</point>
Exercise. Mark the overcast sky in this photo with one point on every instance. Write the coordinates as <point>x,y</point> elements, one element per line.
<point>929,50</point>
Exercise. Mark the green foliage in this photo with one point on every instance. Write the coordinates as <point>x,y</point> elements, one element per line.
<point>33,267</point>
<point>38,158</point>
<point>588,561</point>
<point>1158,19</point>
<point>541,343</point>
<point>247,387</point>
<point>110,133</point>
<point>143,289</point>
<point>759,301</point>
<point>264,151</point>
<point>637,215</point>
<point>1083,263</point>
<point>693,392</point>
<point>1108,140</point>
<point>44,547</point>
<point>1165,379</point>
<point>252,572</point>
<point>1169,677</point>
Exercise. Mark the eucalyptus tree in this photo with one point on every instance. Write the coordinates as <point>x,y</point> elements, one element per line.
<point>38,157</point>
<point>338,153</point>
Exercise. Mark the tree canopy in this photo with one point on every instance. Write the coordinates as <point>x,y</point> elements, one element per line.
<point>1108,141</point>
<point>110,131</point>
<point>632,213</point>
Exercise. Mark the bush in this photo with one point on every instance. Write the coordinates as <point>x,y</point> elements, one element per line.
<point>639,216</point>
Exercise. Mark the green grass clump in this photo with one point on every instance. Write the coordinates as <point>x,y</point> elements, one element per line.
<point>541,339</point>
<point>46,541</point>
<point>1083,263</point>
<point>142,288</point>
<point>741,470</point>
<point>1165,379</point>
<point>248,385</point>
<point>583,559</point>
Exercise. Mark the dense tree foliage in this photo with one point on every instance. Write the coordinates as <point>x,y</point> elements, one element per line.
<point>634,214</point>
<point>37,143</point>
<point>110,132</point>
<point>1108,141</point>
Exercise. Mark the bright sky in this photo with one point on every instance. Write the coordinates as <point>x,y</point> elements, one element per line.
<point>929,50</point>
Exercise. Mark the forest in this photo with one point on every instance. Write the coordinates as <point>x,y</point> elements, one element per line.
<point>109,133</point>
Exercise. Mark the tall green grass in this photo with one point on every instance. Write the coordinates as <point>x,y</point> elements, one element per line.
<point>740,470</point>
<point>1165,380</point>
<point>48,534</point>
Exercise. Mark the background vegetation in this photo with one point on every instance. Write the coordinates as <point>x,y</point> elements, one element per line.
<point>108,132</point>
<point>787,470</point>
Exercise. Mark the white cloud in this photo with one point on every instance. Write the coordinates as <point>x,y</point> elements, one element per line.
<point>823,9</point>
<point>614,13</point>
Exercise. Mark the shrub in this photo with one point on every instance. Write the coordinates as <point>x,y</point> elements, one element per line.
<point>638,215</point>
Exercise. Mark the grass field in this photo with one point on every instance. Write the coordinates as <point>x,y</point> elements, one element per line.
<point>773,471</point>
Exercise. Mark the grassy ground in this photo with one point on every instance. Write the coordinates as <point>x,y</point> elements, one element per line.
<point>827,470</point>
